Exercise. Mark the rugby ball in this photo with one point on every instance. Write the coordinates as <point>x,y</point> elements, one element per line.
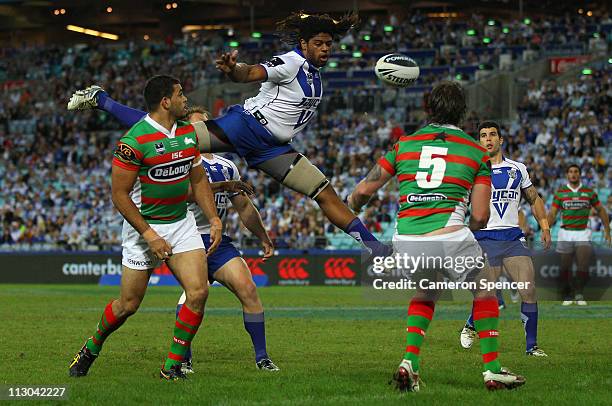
<point>397,70</point>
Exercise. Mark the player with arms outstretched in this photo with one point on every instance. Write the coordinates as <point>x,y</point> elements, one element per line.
<point>503,240</point>
<point>437,168</point>
<point>260,131</point>
<point>574,240</point>
<point>154,164</point>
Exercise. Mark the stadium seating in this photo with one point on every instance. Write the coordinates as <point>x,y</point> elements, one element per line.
<point>54,164</point>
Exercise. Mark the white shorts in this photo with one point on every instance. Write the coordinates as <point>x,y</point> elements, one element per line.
<point>568,240</point>
<point>455,248</point>
<point>182,236</point>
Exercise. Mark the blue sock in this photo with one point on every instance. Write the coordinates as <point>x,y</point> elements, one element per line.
<point>360,233</point>
<point>126,115</point>
<point>470,320</point>
<point>529,317</point>
<point>254,325</point>
<point>188,353</point>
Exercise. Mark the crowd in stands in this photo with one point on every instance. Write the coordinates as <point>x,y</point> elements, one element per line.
<point>54,165</point>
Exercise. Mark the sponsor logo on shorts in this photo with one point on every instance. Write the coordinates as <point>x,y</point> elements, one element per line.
<point>170,171</point>
<point>139,263</point>
<point>291,271</point>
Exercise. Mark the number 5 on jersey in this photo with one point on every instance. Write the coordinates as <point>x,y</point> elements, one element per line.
<point>426,162</point>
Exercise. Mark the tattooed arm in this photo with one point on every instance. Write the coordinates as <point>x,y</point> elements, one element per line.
<point>539,212</point>
<point>367,187</point>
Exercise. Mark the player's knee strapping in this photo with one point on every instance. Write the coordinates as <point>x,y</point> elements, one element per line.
<point>302,176</point>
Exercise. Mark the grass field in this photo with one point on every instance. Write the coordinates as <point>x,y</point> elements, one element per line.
<point>333,347</point>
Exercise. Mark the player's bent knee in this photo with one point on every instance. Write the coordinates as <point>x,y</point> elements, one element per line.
<point>197,295</point>
<point>305,178</point>
<point>127,308</point>
<point>247,291</point>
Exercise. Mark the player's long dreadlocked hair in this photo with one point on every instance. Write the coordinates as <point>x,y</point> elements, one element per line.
<point>305,26</point>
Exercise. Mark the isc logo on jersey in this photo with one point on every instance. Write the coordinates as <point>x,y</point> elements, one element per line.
<point>170,171</point>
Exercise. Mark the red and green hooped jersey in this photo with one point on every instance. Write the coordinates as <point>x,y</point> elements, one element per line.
<point>163,160</point>
<point>436,168</point>
<point>575,206</point>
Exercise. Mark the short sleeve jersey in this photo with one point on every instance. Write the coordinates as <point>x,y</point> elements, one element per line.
<point>289,97</point>
<point>163,160</point>
<point>575,206</point>
<point>508,178</point>
<point>436,168</point>
<point>218,169</point>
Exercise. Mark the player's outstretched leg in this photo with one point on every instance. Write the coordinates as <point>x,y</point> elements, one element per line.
<point>187,364</point>
<point>295,171</point>
<point>133,288</point>
<point>486,321</point>
<point>235,275</point>
<point>95,97</point>
<point>420,313</point>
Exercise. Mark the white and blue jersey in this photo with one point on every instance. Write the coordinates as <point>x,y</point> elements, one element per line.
<point>508,179</point>
<point>218,169</point>
<point>289,97</point>
<point>263,127</point>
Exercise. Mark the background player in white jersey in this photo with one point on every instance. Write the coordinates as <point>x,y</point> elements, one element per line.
<point>260,131</point>
<point>503,240</point>
<point>226,265</point>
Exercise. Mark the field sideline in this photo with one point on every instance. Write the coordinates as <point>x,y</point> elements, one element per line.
<point>333,347</point>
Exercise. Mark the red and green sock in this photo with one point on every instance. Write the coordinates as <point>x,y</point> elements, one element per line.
<point>185,328</point>
<point>420,313</point>
<point>108,323</point>
<point>486,323</point>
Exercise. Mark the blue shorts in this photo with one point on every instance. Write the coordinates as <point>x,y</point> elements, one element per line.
<point>500,244</point>
<point>252,141</point>
<point>222,255</point>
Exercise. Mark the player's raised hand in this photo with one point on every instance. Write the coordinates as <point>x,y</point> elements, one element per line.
<point>226,62</point>
<point>216,228</point>
<point>159,247</point>
<point>546,239</point>
<point>268,249</point>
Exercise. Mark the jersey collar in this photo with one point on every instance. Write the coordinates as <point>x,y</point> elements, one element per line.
<point>161,128</point>
<point>574,190</point>
<point>450,126</point>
